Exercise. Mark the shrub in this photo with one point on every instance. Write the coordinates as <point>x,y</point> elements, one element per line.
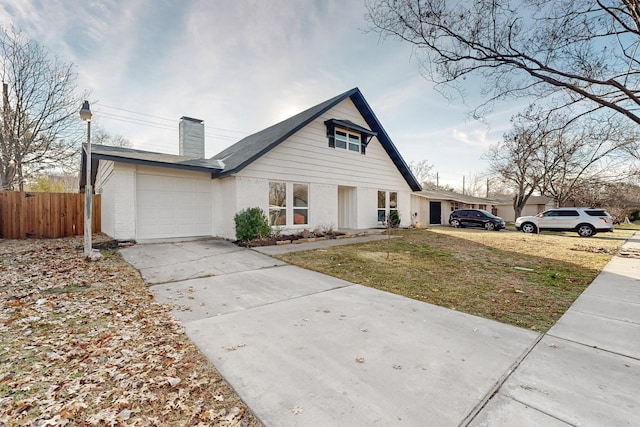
<point>251,224</point>
<point>394,218</point>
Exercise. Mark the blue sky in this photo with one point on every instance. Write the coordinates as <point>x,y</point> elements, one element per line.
<point>243,65</point>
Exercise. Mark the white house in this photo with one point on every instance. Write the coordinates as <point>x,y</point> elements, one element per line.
<point>534,205</point>
<point>432,207</point>
<point>332,165</point>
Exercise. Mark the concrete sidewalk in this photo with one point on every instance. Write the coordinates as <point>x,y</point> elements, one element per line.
<point>586,370</point>
<point>305,349</point>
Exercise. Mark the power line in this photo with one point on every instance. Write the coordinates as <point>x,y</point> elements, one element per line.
<point>138,122</point>
<point>159,125</point>
<point>134,112</point>
<point>170,120</point>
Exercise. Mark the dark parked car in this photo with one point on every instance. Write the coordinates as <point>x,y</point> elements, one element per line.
<point>475,218</point>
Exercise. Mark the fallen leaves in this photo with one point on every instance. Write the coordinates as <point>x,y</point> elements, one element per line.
<point>85,344</point>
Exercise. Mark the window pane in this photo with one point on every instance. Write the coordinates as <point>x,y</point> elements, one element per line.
<point>354,139</point>
<point>300,195</point>
<point>382,217</point>
<point>277,203</point>
<point>341,135</point>
<point>382,199</point>
<point>393,200</point>
<point>341,144</point>
<point>354,147</point>
<point>300,216</point>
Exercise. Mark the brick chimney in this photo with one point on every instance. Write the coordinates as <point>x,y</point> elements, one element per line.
<point>191,137</point>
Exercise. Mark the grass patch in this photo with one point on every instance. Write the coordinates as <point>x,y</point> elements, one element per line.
<point>512,277</point>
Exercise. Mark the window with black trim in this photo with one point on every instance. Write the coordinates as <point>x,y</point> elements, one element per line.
<point>347,135</point>
<point>347,140</point>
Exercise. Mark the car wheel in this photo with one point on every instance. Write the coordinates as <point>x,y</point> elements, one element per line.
<point>585,230</point>
<point>455,223</point>
<point>489,226</point>
<point>528,227</point>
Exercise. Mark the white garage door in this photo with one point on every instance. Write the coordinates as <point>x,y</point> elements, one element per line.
<point>172,206</point>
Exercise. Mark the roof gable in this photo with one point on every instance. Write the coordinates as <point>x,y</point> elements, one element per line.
<point>239,155</point>
<point>244,152</point>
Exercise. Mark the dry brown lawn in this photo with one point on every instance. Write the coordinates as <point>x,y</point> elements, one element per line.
<point>84,344</point>
<point>516,278</point>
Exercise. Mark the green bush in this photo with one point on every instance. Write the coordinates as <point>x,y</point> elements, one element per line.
<point>394,218</point>
<point>251,224</point>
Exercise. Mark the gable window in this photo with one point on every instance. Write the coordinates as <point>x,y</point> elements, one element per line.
<point>387,201</point>
<point>348,136</point>
<point>347,140</point>
<point>282,213</point>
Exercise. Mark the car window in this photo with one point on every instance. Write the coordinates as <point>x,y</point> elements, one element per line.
<point>487,214</point>
<point>550,213</point>
<point>568,213</point>
<point>597,213</point>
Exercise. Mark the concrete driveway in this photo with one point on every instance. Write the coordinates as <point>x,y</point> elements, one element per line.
<point>304,349</point>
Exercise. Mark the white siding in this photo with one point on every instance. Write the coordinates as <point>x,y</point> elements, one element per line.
<point>224,207</point>
<point>116,183</point>
<point>306,157</point>
<point>420,205</point>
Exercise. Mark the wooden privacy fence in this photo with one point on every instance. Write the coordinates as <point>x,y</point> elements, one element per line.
<point>45,215</point>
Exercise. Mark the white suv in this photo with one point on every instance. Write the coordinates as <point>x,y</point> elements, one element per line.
<point>585,221</point>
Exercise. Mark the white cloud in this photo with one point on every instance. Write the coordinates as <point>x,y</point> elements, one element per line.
<point>244,65</point>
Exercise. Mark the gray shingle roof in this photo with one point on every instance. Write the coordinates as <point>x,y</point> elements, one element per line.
<point>245,151</point>
<point>150,158</point>
<point>455,197</point>
<point>236,157</point>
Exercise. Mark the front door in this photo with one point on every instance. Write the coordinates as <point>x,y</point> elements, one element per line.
<point>347,207</point>
<point>435,213</point>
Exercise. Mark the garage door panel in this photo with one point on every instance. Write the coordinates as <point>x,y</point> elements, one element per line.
<point>173,206</point>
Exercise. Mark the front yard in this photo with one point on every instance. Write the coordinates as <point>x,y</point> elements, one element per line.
<point>84,344</point>
<point>521,279</point>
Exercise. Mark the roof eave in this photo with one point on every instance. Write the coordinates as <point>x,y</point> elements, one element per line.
<point>361,104</point>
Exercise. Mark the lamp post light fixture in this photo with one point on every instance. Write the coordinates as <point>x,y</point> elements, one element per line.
<point>85,114</point>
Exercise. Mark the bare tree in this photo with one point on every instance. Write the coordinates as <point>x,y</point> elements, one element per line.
<point>580,50</point>
<point>476,185</point>
<point>584,149</point>
<point>553,154</point>
<point>515,159</point>
<point>422,170</point>
<point>100,135</point>
<point>39,129</point>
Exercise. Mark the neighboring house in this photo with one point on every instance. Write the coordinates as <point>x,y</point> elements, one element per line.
<point>331,166</point>
<point>534,205</point>
<point>432,207</point>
